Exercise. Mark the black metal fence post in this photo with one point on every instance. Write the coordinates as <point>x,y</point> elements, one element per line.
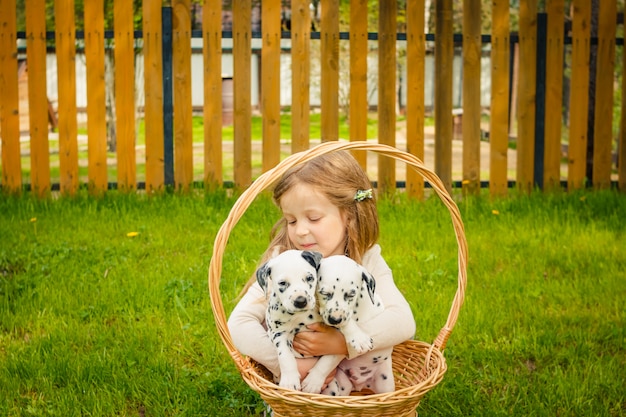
<point>540,98</point>
<point>168,108</point>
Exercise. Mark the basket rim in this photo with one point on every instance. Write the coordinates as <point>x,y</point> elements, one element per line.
<point>268,178</point>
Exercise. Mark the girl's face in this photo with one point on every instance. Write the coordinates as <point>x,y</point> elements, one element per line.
<point>313,222</point>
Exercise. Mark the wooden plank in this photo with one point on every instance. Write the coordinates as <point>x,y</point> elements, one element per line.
<point>444,57</point>
<point>554,95</point>
<point>96,114</point>
<point>300,74</point>
<point>153,91</point>
<point>472,47</point>
<point>65,37</point>
<point>603,119</point>
<point>579,94</point>
<point>183,111</point>
<point>358,76</point>
<point>415,73</point>
<point>242,33</point>
<point>387,93</point>
<point>212,52</point>
<point>499,123</point>
<point>37,96</point>
<point>125,94</point>
<point>329,33</point>
<point>9,99</point>
<point>270,82</point>
<point>526,95</point>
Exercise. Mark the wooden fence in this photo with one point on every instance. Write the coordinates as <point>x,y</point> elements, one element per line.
<point>541,41</point>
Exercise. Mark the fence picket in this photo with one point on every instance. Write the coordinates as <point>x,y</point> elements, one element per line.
<point>499,122</point>
<point>358,76</point>
<point>270,84</point>
<point>387,92</point>
<point>526,95</point>
<point>9,99</point>
<point>300,75</point>
<point>554,94</point>
<point>579,94</point>
<point>472,46</point>
<point>96,106</point>
<point>153,82</point>
<point>415,73</point>
<point>125,94</point>
<point>65,39</point>
<point>242,34</point>
<point>603,123</point>
<point>181,59</point>
<point>443,91</point>
<point>329,33</point>
<point>37,96</point>
<point>213,104</point>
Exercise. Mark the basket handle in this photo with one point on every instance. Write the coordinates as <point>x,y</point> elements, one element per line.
<point>269,177</point>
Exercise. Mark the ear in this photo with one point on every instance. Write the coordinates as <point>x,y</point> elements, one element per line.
<point>313,258</point>
<point>262,276</point>
<point>370,282</point>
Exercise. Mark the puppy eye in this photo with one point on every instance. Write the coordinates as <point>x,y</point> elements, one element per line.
<point>282,283</point>
<point>349,295</point>
<point>326,295</point>
<point>310,278</point>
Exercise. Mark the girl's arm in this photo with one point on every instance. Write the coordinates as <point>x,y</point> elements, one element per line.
<point>247,331</point>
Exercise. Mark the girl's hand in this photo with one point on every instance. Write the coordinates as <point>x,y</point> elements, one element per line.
<point>320,340</point>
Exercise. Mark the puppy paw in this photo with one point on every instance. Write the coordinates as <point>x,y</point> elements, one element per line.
<point>362,343</point>
<point>334,389</point>
<point>312,384</point>
<point>290,382</point>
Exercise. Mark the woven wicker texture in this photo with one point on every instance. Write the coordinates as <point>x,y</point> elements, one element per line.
<point>418,366</point>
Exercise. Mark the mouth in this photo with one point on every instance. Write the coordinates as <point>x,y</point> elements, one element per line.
<point>308,246</point>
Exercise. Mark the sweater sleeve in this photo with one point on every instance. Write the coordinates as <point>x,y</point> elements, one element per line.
<point>246,326</point>
<point>397,309</point>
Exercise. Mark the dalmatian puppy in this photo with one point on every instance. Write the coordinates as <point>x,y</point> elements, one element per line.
<point>346,295</point>
<point>289,280</point>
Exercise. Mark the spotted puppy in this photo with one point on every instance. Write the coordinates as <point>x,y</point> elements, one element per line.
<point>289,281</point>
<point>346,295</point>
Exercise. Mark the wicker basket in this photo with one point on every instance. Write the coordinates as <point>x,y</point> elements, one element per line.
<point>418,366</point>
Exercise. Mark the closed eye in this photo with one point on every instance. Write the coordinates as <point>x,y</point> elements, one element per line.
<point>326,295</point>
<point>310,278</point>
<point>349,295</point>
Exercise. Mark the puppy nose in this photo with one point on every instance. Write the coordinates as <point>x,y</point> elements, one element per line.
<point>334,320</point>
<point>300,302</point>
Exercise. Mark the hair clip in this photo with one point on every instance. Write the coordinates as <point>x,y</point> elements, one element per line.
<point>363,194</point>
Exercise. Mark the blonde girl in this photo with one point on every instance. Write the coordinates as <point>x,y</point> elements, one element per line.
<point>327,206</point>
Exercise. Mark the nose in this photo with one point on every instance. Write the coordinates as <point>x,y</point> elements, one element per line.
<point>300,302</point>
<point>302,229</point>
<point>333,321</point>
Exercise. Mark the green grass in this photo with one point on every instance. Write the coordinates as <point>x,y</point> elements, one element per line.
<point>96,322</point>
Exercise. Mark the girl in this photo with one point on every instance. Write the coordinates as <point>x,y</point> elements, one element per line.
<point>328,207</point>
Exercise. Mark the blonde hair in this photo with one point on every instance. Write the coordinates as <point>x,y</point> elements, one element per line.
<point>338,176</point>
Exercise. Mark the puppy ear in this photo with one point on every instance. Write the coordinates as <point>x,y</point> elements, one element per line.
<point>313,258</point>
<point>370,282</point>
<point>262,276</point>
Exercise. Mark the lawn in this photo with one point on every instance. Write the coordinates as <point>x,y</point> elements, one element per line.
<point>104,306</point>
